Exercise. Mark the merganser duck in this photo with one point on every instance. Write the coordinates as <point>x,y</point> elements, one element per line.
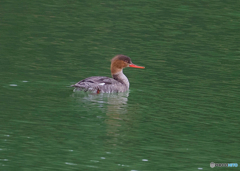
<point>118,83</point>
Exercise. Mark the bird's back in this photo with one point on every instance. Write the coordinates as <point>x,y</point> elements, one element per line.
<point>100,84</point>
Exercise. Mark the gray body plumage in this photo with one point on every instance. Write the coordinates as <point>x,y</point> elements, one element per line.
<point>119,83</point>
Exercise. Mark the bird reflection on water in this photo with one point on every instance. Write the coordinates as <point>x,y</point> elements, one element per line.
<point>113,102</point>
<point>115,114</point>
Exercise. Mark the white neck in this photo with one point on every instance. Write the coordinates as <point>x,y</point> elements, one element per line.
<point>121,78</point>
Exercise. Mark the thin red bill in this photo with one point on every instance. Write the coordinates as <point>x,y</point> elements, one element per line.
<point>136,66</point>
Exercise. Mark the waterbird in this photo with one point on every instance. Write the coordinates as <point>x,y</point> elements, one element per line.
<point>118,83</point>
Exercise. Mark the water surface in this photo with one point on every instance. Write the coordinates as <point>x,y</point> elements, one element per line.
<point>181,113</point>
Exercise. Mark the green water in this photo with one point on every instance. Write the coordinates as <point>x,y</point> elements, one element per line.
<point>181,113</point>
